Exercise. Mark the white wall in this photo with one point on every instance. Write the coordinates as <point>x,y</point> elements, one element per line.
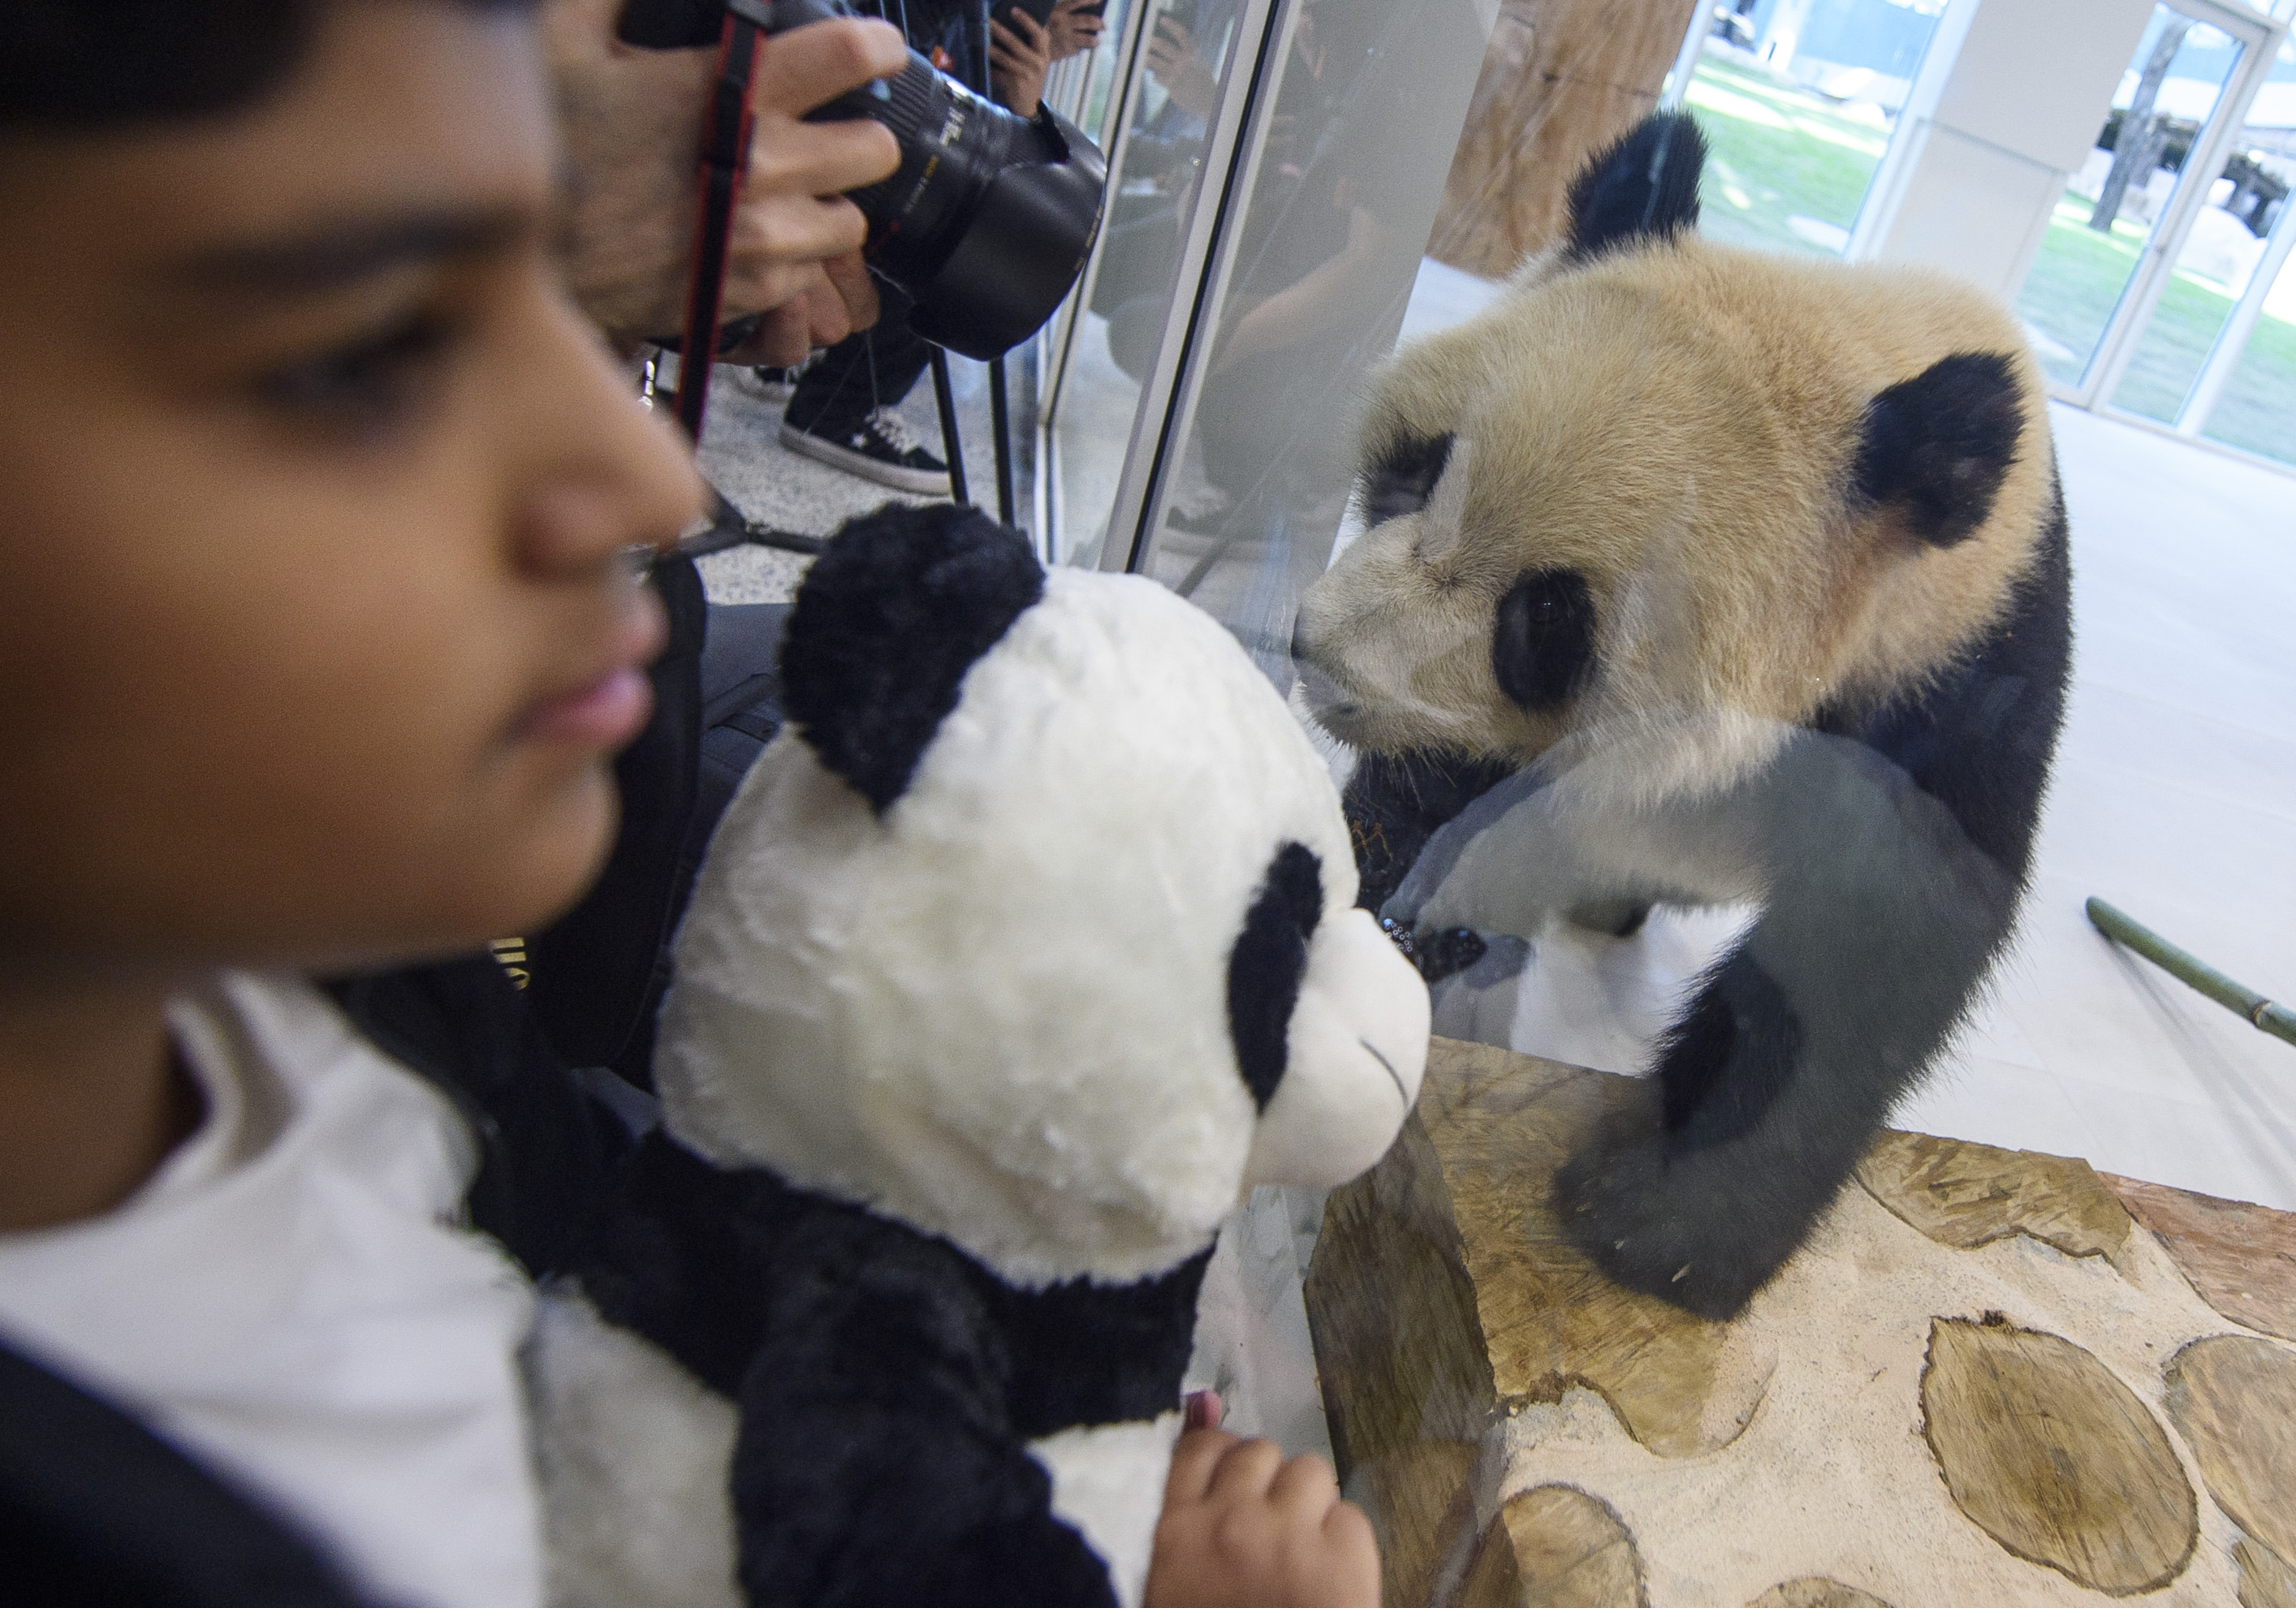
<point>1992,131</point>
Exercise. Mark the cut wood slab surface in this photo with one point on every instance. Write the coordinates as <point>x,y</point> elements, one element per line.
<point>1967,1195</point>
<point>1979,1384</point>
<point>2241,1258</point>
<point>2233,1397</point>
<point>2056,1459</point>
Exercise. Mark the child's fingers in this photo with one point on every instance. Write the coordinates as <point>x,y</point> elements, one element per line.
<point>1306,1485</point>
<point>1193,1460</point>
<point>1354,1557</point>
<point>1202,1410</point>
<point>1248,1470</point>
<point>1348,1525</point>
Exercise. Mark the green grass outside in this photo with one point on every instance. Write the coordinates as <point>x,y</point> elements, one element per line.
<point>1781,150</point>
<point>1778,151</point>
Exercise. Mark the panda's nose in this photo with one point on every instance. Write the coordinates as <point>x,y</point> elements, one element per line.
<point>1299,639</point>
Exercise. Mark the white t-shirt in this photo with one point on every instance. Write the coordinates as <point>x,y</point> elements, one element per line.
<point>287,1301</point>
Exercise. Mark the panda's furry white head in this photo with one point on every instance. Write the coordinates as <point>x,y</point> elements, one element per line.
<point>1663,479</point>
<point>1035,929</point>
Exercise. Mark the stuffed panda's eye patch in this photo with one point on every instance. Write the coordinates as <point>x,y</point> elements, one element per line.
<point>1265,967</point>
<point>1402,478</point>
<point>1543,639</point>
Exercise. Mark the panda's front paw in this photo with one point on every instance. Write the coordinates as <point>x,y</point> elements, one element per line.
<point>1657,1223</point>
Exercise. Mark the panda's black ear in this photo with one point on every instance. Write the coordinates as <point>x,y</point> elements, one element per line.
<point>1937,446</point>
<point>1641,190</point>
<point>894,611</point>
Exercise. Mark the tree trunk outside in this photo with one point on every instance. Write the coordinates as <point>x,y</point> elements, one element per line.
<point>2137,152</point>
<point>1560,80</point>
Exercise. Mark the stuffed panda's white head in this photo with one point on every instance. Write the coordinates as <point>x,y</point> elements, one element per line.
<point>1035,927</point>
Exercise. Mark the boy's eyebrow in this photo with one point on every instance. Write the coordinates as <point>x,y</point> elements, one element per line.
<point>331,257</point>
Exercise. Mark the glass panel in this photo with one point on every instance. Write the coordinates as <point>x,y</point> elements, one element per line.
<point>1185,54</point>
<point>1322,266</point>
<point>2220,256</point>
<point>2105,220</point>
<point>2257,409</point>
<point>1799,99</point>
<point>1102,76</point>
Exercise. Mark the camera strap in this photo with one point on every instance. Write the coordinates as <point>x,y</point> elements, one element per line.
<point>724,162</point>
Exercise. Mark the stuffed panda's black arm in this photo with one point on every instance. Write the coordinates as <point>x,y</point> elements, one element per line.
<point>877,1465</point>
<point>1899,843</point>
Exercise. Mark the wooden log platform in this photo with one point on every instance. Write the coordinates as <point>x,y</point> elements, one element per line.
<point>1992,1377</point>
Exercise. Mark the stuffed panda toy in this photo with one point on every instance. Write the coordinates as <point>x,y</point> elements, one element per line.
<point>1025,950</point>
<point>1700,577</point>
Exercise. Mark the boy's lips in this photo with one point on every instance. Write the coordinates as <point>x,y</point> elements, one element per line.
<point>605,713</point>
<point>613,704</point>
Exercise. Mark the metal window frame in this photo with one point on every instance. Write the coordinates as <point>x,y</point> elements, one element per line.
<point>2132,315</point>
<point>1155,420</point>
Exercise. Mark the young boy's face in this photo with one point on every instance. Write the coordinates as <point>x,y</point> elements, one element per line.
<point>315,644</point>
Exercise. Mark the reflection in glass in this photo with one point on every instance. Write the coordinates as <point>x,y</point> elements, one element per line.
<point>1184,50</point>
<point>1367,104</point>
<point>2102,226</point>
<point>1798,101</point>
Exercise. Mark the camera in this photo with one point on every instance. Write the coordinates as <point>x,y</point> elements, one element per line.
<point>985,225</point>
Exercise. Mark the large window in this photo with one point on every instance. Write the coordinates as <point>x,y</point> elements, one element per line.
<point>1799,100</point>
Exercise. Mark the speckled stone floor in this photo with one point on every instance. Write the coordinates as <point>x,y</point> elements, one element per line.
<point>775,487</point>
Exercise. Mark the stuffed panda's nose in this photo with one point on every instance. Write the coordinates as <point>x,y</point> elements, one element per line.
<point>1299,639</point>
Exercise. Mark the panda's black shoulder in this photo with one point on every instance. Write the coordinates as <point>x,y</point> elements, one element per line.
<point>1980,737</point>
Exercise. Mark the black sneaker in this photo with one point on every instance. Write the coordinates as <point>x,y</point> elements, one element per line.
<point>882,449</point>
<point>777,385</point>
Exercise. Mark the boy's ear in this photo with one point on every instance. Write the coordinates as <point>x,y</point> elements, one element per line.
<point>1643,190</point>
<point>894,611</point>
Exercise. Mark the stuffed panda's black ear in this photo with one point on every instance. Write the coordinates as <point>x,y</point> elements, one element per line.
<point>1937,445</point>
<point>1644,190</point>
<point>1266,967</point>
<point>894,611</point>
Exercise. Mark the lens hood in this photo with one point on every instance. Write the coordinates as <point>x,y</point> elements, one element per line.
<point>1021,249</point>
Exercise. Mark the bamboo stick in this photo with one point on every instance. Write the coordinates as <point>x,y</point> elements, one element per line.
<point>2262,1014</point>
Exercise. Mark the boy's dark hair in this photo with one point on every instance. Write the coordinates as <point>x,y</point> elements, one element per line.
<point>89,64</point>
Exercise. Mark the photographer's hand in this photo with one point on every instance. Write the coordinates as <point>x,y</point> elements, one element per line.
<point>1075,26</point>
<point>1175,62</point>
<point>1020,54</point>
<point>631,123</point>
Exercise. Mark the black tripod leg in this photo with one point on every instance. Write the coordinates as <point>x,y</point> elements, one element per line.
<point>1000,425</point>
<point>945,399</point>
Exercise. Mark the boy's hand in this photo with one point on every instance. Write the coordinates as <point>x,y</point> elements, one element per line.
<point>1243,1527</point>
<point>1019,54</point>
<point>631,122</point>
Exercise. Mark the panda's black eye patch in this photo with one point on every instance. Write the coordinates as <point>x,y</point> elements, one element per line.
<point>1403,476</point>
<point>1264,968</point>
<point>1543,639</point>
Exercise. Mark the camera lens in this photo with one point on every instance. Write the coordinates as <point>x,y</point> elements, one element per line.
<point>988,219</point>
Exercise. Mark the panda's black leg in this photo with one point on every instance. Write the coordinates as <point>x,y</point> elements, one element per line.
<point>1880,922</point>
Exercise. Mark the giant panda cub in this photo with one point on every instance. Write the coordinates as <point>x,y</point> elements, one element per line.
<point>1695,576</point>
<point>1026,949</point>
